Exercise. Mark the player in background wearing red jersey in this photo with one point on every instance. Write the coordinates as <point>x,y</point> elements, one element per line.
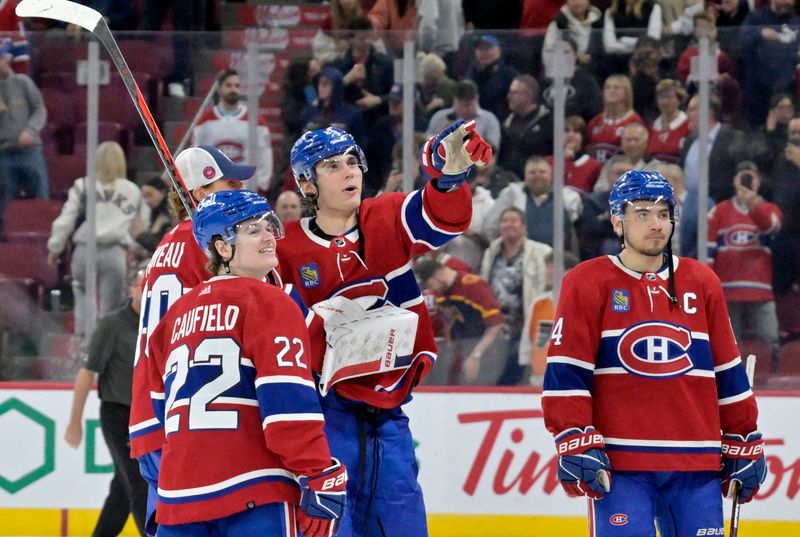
<point>177,266</point>
<point>228,372</point>
<point>363,250</point>
<point>642,375</point>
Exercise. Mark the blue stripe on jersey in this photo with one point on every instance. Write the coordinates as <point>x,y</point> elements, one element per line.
<point>286,398</point>
<point>295,295</point>
<point>699,353</point>
<point>403,288</point>
<point>731,382</point>
<point>560,377</point>
<point>159,405</point>
<point>200,375</point>
<point>663,449</point>
<point>150,428</point>
<point>227,490</point>
<point>419,229</point>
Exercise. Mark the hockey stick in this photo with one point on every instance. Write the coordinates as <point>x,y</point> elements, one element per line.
<point>736,510</point>
<point>91,20</point>
<point>196,118</point>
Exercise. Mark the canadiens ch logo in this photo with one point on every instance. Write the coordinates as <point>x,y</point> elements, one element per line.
<point>655,349</point>
<point>619,519</point>
<point>740,237</point>
<point>620,301</point>
<point>309,275</point>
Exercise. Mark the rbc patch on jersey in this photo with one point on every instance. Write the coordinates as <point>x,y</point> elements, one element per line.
<point>620,301</point>
<point>309,275</point>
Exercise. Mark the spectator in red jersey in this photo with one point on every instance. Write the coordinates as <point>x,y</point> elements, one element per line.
<point>740,233</point>
<point>605,129</point>
<point>470,319</point>
<point>705,26</point>
<point>580,169</point>
<point>537,14</point>
<point>634,142</point>
<point>671,127</point>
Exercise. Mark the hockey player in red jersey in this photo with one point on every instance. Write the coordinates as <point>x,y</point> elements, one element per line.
<point>177,266</point>
<point>229,375</point>
<point>362,250</point>
<point>642,375</point>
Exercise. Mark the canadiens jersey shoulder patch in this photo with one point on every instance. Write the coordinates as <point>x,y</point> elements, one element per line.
<point>309,275</point>
<point>620,301</point>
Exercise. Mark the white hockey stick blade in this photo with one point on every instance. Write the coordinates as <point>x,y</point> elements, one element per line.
<point>60,10</point>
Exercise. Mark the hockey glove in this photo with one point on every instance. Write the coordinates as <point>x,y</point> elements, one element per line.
<point>583,466</point>
<point>451,155</point>
<point>743,465</point>
<point>322,500</point>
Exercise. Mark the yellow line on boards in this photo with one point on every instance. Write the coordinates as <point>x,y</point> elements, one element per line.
<point>54,523</point>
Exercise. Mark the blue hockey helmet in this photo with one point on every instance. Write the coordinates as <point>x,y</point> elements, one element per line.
<point>219,214</point>
<point>320,144</point>
<point>636,185</point>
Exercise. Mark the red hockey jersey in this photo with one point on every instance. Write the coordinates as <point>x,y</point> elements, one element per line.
<point>374,259</point>
<point>739,248</point>
<point>229,376</point>
<point>658,381</point>
<point>177,266</point>
<point>666,140</point>
<point>581,173</point>
<point>605,134</point>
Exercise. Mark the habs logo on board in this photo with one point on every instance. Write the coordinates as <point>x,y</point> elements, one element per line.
<point>620,301</point>
<point>619,519</point>
<point>655,349</point>
<point>309,275</point>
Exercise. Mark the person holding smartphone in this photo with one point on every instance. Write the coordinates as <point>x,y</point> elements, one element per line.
<point>740,233</point>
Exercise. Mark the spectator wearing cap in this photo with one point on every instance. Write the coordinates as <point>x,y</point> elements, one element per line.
<point>726,147</point>
<point>204,170</point>
<point>382,138</point>
<point>226,126</point>
<point>466,107</point>
<point>23,172</point>
<point>624,23</point>
<point>492,75</point>
<point>740,234</point>
<point>528,128</point>
<point>330,109</point>
<point>118,202</point>
<point>435,90</point>
<point>582,22</point>
<point>368,74</point>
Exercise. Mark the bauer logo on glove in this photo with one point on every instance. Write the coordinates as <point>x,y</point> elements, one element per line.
<point>450,156</point>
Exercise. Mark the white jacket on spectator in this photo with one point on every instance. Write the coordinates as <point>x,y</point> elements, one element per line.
<point>580,30</point>
<point>466,246</point>
<point>514,195</point>
<point>440,25</point>
<point>118,203</point>
<point>534,280</point>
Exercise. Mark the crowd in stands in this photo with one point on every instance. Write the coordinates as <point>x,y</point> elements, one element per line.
<point>632,103</point>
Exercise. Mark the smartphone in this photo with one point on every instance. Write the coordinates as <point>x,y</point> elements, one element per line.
<point>746,180</point>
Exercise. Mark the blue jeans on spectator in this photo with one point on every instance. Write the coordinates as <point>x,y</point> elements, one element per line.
<point>23,171</point>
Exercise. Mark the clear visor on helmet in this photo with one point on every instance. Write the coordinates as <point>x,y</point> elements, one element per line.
<point>268,221</point>
<point>647,211</point>
<point>336,163</point>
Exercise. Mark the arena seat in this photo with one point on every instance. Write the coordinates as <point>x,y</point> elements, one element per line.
<point>789,359</point>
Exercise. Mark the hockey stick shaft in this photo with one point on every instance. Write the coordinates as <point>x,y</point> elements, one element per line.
<point>91,20</point>
<point>736,509</point>
<point>196,118</point>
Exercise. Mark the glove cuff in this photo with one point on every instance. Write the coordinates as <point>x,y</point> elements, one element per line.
<point>576,441</point>
<point>426,159</point>
<point>734,446</point>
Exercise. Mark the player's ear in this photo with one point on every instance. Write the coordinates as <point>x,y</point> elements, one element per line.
<point>617,223</point>
<point>223,249</point>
